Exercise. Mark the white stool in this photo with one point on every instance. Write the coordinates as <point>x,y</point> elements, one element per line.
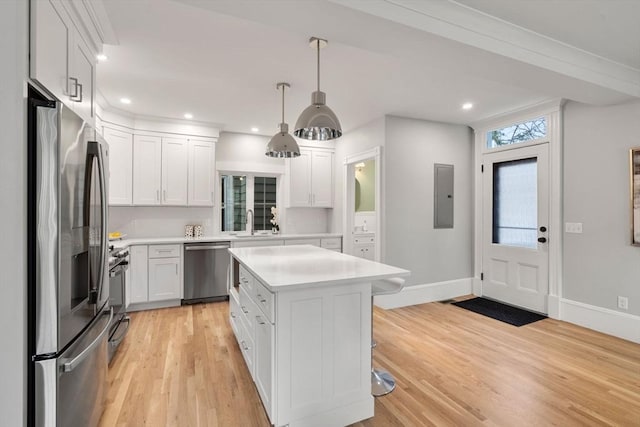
<point>381,381</point>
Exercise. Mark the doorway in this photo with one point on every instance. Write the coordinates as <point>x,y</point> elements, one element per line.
<point>515,262</point>
<point>362,205</point>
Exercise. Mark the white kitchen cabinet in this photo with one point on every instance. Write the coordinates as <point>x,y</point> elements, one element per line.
<point>60,59</point>
<point>310,179</point>
<point>147,170</point>
<point>156,276</point>
<point>164,279</point>
<point>120,166</point>
<point>364,246</point>
<point>174,171</point>
<point>313,242</point>
<point>201,172</point>
<point>263,362</point>
<point>138,286</point>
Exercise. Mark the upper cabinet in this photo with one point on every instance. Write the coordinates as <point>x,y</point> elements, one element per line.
<point>60,58</point>
<point>201,172</point>
<point>174,171</point>
<point>147,170</point>
<point>120,165</point>
<point>310,179</point>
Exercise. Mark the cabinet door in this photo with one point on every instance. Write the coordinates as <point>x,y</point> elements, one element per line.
<point>147,167</point>
<point>322,179</point>
<point>120,166</point>
<point>365,251</point>
<point>51,32</point>
<point>83,70</point>
<point>139,274</point>
<point>300,180</point>
<point>201,172</point>
<point>263,363</point>
<point>164,279</point>
<point>174,171</point>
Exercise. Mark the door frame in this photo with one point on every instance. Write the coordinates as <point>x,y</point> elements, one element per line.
<point>552,111</point>
<point>349,194</point>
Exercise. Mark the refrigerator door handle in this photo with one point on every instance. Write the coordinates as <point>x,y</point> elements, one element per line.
<point>73,363</point>
<point>103,221</point>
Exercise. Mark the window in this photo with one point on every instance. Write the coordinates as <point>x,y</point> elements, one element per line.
<point>518,133</point>
<point>243,192</point>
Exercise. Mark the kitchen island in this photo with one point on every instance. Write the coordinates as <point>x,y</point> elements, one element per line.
<point>302,318</point>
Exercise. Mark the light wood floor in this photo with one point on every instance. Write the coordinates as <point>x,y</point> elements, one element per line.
<point>182,367</point>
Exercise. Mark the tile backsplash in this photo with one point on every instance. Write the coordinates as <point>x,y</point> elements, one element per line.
<point>164,221</point>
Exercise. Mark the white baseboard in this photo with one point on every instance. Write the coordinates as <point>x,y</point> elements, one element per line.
<point>430,292</point>
<point>611,322</point>
<point>153,305</point>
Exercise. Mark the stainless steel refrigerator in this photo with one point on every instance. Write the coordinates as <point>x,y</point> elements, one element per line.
<point>69,312</point>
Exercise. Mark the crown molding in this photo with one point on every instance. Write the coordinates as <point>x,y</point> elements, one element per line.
<point>463,24</point>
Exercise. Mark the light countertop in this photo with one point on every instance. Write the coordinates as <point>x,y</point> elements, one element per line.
<point>217,238</point>
<point>288,267</point>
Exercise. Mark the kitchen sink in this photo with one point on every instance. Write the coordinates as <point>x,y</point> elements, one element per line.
<point>254,235</point>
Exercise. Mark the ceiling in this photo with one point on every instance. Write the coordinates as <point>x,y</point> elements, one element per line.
<point>220,60</point>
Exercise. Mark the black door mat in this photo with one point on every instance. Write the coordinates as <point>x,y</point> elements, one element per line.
<point>502,312</point>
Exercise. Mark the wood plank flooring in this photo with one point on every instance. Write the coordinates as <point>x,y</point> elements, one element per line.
<point>182,367</point>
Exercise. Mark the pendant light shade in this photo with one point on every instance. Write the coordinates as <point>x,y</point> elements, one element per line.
<point>318,122</point>
<point>282,144</point>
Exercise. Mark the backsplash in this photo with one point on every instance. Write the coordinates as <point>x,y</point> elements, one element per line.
<point>165,221</point>
<point>306,220</point>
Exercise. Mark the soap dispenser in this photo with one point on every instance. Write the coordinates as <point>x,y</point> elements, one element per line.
<point>364,226</point>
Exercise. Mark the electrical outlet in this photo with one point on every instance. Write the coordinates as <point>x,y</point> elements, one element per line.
<point>623,303</point>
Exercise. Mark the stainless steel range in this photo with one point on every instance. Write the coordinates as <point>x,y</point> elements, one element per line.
<point>118,266</point>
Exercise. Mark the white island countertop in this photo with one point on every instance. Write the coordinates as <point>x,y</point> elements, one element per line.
<point>289,267</point>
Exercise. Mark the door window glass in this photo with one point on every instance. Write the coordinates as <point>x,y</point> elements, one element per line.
<point>515,203</point>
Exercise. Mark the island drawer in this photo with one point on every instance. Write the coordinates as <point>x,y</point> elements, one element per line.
<point>246,280</point>
<point>265,300</point>
<point>249,310</point>
<point>164,251</point>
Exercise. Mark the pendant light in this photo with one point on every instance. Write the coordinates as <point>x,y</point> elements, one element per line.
<point>317,122</point>
<point>282,144</point>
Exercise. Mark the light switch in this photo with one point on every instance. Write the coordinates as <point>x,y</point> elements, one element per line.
<point>573,227</point>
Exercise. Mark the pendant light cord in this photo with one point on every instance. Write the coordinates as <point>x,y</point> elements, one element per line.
<point>318,47</point>
<point>282,104</point>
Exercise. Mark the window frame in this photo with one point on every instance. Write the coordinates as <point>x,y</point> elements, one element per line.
<point>250,199</point>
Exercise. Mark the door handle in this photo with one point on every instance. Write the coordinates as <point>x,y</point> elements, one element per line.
<point>74,95</point>
<point>542,239</point>
<point>543,229</point>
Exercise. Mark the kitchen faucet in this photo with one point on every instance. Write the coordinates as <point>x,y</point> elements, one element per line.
<point>249,211</point>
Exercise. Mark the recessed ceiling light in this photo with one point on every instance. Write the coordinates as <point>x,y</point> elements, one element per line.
<point>467,106</point>
<point>254,129</point>
<point>125,100</point>
<point>188,116</point>
<point>101,57</point>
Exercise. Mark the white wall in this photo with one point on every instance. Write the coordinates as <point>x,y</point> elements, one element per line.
<point>13,176</point>
<point>600,263</point>
<point>411,149</point>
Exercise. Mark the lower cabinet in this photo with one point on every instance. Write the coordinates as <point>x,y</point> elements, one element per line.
<point>263,363</point>
<point>155,276</point>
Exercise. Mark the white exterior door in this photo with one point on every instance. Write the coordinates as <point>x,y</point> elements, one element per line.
<point>147,164</point>
<point>174,171</point>
<point>515,260</point>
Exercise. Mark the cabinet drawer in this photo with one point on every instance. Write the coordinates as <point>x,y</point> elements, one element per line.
<point>290,242</point>
<point>164,251</point>
<point>265,300</point>
<point>246,280</point>
<point>364,239</point>
<point>249,310</point>
<point>331,243</point>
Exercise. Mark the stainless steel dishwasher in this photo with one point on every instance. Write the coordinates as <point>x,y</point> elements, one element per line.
<point>206,269</point>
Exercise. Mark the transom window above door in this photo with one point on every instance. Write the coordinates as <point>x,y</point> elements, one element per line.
<point>241,192</point>
<point>518,133</point>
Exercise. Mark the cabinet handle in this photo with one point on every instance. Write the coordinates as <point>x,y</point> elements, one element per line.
<point>313,200</point>
<point>233,315</point>
<point>80,86</point>
<point>176,269</point>
<point>260,321</point>
<point>75,87</point>
<point>164,195</point>
<point>244,309</point>
<point>244,345</point>
<point>261,299</point>
<point>158,195</point>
